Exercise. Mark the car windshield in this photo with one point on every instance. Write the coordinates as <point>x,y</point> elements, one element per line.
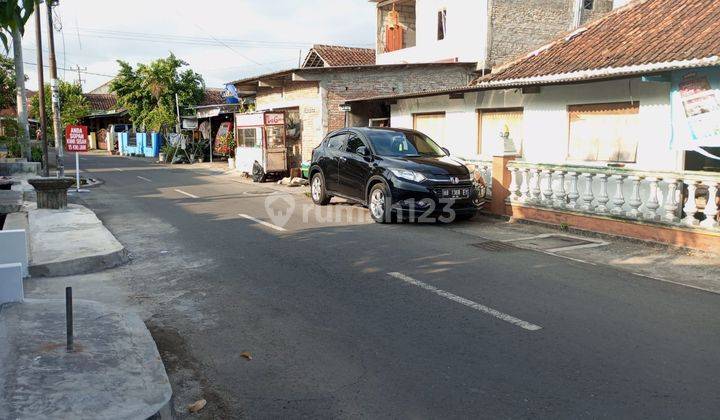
<point>403,143</point>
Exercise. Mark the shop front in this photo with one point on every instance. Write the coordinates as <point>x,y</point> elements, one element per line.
<point>268,143</point>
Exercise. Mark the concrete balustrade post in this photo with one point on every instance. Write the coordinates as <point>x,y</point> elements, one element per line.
<point>603,198</point>
<point>619,199</point>
<point>573,194</point>
<point>587,195</point>
<point>711,208</point>
<point>652,203</point>
<point>691,205</point>
<point>635,201</point>
<point>560,193</point>
<point>671,204</point>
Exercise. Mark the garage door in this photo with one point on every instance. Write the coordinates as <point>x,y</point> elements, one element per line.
<point>432,125</point>
<point>492,123</point>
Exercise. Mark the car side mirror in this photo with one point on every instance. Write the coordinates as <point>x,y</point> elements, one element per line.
<point>363,151</point>
<point>447,152</point>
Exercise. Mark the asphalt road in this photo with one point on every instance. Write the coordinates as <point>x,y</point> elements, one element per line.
<point>359,320</point>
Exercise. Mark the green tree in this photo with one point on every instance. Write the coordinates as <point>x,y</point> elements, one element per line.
<point>13,15</point>
<point>148,91</point>
<point>73,104</point>
<point>7,82</point>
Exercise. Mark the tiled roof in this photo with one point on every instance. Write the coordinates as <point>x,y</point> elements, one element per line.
<point>213,96</point>
<point>101,101</point>
<point>336,56</point>
<point>643,37</point>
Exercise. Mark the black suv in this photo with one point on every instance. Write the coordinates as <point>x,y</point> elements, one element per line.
<point>394,172</point>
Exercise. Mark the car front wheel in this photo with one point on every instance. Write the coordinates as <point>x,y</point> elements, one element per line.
<point>317,190</point>
<point>379,204</point>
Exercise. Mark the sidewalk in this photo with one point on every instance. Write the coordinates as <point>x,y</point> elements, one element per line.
<point>660,262</point>
<point>115,371</point>
<point>70,241</point>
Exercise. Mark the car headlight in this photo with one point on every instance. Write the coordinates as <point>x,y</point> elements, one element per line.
<point>407,174</point>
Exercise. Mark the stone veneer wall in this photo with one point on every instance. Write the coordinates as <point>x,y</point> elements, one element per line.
<point>519,26</point>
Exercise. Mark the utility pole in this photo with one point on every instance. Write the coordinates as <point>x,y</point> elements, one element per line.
<point>21,97</point>
<point>79,72</point>
<point>54,88</point>
<point>177,109</point>
<point>41,89</point>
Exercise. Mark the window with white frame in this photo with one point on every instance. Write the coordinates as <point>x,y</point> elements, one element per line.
<point>604,132</point>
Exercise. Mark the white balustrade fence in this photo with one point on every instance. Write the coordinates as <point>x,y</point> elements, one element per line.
<point>682,198</point>
<point>484,168</point>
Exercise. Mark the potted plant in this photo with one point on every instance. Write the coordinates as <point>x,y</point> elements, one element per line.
<point>225,146</point>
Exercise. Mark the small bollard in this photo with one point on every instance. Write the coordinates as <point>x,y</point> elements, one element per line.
<point>69,318</point>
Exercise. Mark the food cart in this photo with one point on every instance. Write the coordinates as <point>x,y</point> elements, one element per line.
<point>261,148</point>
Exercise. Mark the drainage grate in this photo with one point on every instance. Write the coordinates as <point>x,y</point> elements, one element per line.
<point>547,242</point>
<point>496,246</point>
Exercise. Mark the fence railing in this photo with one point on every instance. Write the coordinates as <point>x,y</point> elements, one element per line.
<point>675,198</point>
<point>484,169</point>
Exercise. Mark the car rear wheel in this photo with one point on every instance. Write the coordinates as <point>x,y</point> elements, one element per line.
<point>379,204</point>
<point>317,190</point>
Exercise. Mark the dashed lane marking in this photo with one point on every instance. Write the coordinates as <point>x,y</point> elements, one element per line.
<point>144,179</point>
<point>469,303</point>
<point>187,194</point>
<point>262,222</point>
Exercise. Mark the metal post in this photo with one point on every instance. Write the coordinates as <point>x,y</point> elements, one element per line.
<point>69,318</point>
<point>41,90</point>
<point>21,97</point>
<point>55,93</point>
<point>77,170</point>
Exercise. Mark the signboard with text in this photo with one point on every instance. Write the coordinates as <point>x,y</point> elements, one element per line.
<point>76,138</point>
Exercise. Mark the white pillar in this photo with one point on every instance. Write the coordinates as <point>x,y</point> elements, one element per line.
<point>635,201</point>
<point>548,191</point>
<point>671,204</point>
<point>525,186</point>
<point>618,200</point>
<point>587,196</point>
<point>514,188</point>
<point>711,209</point>
<point>653,203</point>
<point>560,191</point>
<point>603,196</point>
<point>535,190</point>
<point>691,205</point>
<point>574,194</point>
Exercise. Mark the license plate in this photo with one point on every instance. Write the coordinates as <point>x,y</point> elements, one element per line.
<point>455,192</point>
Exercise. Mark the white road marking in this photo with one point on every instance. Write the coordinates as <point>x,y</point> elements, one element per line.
<point>262,222</point>
<point>562,256</point>
<point>187,194</point>
<point>574,247</point>
<point>118,169</point>
<point>469,303</point>
<point>144,179</point>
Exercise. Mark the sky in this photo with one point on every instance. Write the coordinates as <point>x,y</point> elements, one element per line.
<point>223,40</point>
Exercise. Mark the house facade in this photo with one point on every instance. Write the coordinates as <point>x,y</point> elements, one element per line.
<point>486,32</point>
<point>619,120</point>
<point>311,97</point>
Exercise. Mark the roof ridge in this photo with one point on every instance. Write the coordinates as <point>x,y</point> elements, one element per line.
<point>341,46</point>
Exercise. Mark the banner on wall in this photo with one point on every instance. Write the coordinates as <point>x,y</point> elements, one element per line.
<point>696,110</point>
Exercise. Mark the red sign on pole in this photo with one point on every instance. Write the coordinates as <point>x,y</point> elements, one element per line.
<point>76,138</point>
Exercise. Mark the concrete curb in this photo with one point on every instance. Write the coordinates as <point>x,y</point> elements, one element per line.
<point>84,265</point>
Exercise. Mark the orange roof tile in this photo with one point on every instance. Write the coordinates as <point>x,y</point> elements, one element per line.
<point>643,37</point>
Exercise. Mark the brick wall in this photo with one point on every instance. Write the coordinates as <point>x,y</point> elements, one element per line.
<point>520,26</point>
<point>406,13</point>
<point>341,86</point>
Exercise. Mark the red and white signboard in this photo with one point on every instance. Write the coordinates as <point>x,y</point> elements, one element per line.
<point>274,119</point>
<point>76,138</point>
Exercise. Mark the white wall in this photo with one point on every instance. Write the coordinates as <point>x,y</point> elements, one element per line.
<point>465,38</point>
<point>546,120</point>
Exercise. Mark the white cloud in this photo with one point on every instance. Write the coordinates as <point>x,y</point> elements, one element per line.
<point>269,32</point>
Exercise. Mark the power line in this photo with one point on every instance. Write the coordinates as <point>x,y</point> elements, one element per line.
<point>73,70</point>
<point>202,40</point>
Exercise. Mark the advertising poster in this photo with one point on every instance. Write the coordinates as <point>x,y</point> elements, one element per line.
<point>696,110</point>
